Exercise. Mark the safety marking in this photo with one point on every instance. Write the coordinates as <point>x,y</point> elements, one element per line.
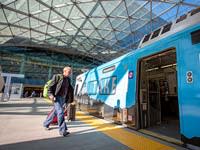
<point>163,137</point>
<point>130,139</point>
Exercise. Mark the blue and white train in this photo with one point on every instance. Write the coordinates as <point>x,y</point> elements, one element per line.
<point>156,87</point>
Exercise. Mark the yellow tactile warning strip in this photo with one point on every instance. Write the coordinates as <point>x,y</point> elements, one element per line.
<point>133,141</point>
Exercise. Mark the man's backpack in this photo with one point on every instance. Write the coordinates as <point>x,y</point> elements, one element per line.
<point>46,87</point>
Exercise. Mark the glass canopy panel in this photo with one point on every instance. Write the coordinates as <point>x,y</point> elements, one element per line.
<point>110,36</point>
<point>102,32</point>
<point>123,25</point>
<point>171,15</point>
<point>110,6</point>
<point>95,35</point>
<point>193,2</point>
<point>116,21</point>
<point>69,28</point>
<point>41,28</point>
<point>22,5</point>
<point>96,20</point>
<point>5,32</point>
<point>87,7</point>
<point>87,32</point>
<point>120,35</point>
<point>48,2</point>
<point>75,13</point>
<point>99,12</point>
<point>11,16</point>
<point>65,38</point>
<point>78,21</point>
<point>105,24</point>
<point>26,34</point>
<point>64,9</point>
<point>59,3</point>
<point>54,18</point>
<point>88,28</point>
<point>16,31</point>
<point>119,9</point>
<point>74,43</point>
<point>44,15</point>
<point>35,7</point>
<point>5,39</point>
<point>60,43</point>
<point>183,9</point>
<point>2,27</point>
<point>81,48</point>
<point>2,16</point>
<point>23,22</point>
<point>113,23</point>
<point>79,39</point>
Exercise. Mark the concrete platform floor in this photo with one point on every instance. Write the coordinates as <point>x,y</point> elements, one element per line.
<point>21,129</point>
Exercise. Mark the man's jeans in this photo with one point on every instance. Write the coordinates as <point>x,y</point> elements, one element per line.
<point>59,111</point>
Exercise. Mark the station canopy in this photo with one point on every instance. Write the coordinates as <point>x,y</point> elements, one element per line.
<point>101,29</point>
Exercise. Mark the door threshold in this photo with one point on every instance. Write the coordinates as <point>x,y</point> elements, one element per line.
<point>162,137</point>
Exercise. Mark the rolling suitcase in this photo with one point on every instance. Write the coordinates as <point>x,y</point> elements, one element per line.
<point>55,119</point>
<point>71,111</point>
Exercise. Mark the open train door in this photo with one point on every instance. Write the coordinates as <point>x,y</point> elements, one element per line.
<point>157,93</point>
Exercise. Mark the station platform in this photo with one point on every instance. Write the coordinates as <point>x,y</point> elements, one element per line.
<point>21,129</point>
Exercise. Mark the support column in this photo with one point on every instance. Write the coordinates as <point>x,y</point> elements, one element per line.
<point>50,73</point>
<point>6,94</point>
<point>22,65</point>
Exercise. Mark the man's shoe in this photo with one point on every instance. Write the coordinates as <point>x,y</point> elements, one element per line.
<point>65,133</point>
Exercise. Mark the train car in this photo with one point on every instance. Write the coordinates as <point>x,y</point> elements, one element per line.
<point>156,87</point>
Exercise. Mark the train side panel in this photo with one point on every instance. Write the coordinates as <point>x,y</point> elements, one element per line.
<point>189,88</point>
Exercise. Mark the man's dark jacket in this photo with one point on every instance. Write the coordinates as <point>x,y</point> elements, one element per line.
<point>55,85</point>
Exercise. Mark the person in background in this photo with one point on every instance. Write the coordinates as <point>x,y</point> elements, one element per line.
<point>33,94</point>
<point>26,94</point>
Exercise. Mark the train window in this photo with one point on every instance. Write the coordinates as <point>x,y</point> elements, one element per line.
<point>92,87</point>
<point>155,34</point>
<point>166,28</point>
<point>108,69</point>
<point>195,11</point>
<point>146,38</point>
<point>181,18</point>
<point>195,37</point>
<point>108,85</point>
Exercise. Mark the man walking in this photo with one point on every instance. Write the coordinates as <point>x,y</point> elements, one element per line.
<point>58,92</point>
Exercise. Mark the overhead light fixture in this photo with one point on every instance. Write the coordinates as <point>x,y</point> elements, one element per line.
<point>69,29</point>
<point>51,32</point>
<point>152,69</point>
<point>36,12</point>
<point>60,5</point>
<point>166,66</point>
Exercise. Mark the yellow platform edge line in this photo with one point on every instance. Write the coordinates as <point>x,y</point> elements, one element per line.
<point>133,141</point>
